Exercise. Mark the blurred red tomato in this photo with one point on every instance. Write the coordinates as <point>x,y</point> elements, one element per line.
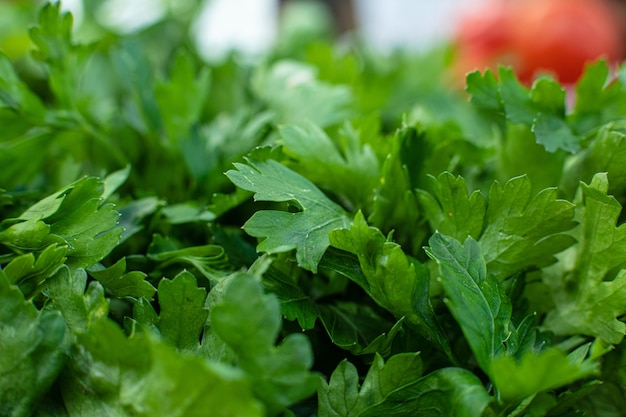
<point>535,36</point>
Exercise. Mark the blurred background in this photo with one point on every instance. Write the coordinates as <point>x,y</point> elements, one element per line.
<point>482,33</point>
<point>383,26</point>
<point>252,26</point>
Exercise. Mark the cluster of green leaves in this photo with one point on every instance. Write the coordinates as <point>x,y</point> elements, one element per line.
<point>326,232</point>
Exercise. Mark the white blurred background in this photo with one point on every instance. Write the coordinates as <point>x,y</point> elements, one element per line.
<point>250,26</point>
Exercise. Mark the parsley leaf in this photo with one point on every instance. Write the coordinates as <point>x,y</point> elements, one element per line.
<point>507,354</point>
<point>600,97</point>
<point>521,231</point>
<point>53,38</point>
<point>16,96</point>
<point>30,273</point>
<point>74,216</point>
<point>515,232</point>
<point>473,297</point>
<point>307,229</point>
<point>588,286</point>
<point>446,391</point>
<point>206,260</point>
<point>182,313</point>
<point>537,372</point>
<point>359,329</point>
<point>116,375</point>
<point>450,209</point>
<point>349,168</point>
<point>341,396</point>
<point>248,321</point>
<point>295,303</point>
<point>606,153</point>
<point>81,304</point>
<point>394,205</point>
<point>542,107</point>
<point>293,92</point>
<point>398,388</point>
<point>395,281</point>
<point>180,99</point>
<point>120,283</point>
<point>34,348</point>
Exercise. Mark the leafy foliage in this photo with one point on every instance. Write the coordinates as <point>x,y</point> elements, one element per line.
<point>33,351</point>
<point>306,229</point>
<point>181,236</point>
<point>393,280</point>
<point>397,388</point>
<point>586,301</point>
<point>507,355</point>
<point>280,373</point>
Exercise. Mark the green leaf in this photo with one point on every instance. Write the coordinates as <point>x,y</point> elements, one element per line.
<point>515,98</point>
<point>483,90</point>
<point>393,280</point>
<point>305,230</point>
<point>88,226</point>
<point>21,155</point>
<point>345,264</point>
<point>475,299</point>
<point>554,134</point>
<point>212,346</point>
<point>341,396</point>
<point>588,289</point>
<point>550,95</point>
<point>182,314</point>
<point>81,304</point>
<point>537,372</point>
<point>502,351</point>
<point>542,107</point>
<point>295,303</point>
<point>249,321</point>
<point>259,331</point>
<point>181,98</point>
<point>358,328</point>
<point>113,181</point>
<point>395,203</point>
<point>450,209</point>
<point>33,348</point>
<point>600,97</point>
<point>348,168</point>
<point>399,370</point>
<point>444,392</point>
<point>136,72</point>
<point>74,216</point>
<point>606,153</point>
<point>187,212</point>
<point>16,96</point>
<point>521,232</point>
<point>608,394</point>
<point>520,154</point>
<point>29,274</point>
<point>592,84</point>
<point>206,259</point>
<point>115,375</point>
<point>144,315</point>
<point>119,283</point>
<point>53,36</point>
<point>211,150</point>
<point>133,213</point>
<point>67,65</point>
<point>193,386</point>
<point>546,98</point>
<point>292,91</point>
